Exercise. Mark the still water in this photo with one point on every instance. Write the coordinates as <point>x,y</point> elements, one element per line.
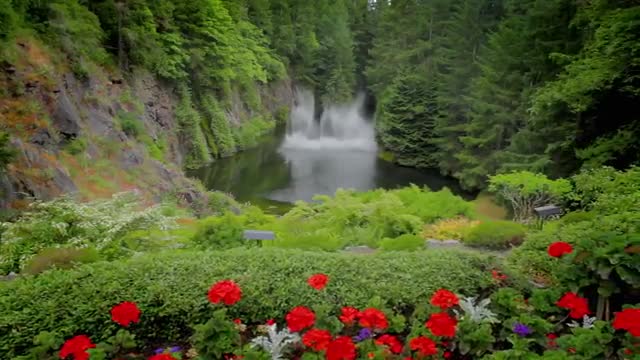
<point>314,157</point>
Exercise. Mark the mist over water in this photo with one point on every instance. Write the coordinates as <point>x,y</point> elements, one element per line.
<point>339,126</point>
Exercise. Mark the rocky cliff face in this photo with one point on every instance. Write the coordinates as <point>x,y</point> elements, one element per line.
<point>95,136</point>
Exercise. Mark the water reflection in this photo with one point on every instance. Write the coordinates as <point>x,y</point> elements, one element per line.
<point>269,172</point>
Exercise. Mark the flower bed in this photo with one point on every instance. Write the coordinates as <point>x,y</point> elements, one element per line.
<point>170,290</point>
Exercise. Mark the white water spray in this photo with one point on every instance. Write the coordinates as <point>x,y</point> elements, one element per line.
<point>340,126</point>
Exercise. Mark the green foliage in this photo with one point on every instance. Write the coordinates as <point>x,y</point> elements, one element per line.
<point>8,19</point>
<point>130,124</point>
<point>524,191</point>
<point>351,218</point>
<point>77,146</point>
<point>170,289</point>
<point>44,345</point>
<point>406,242</point>
<point>220,202</point>
<point>226,231</point>
<point>6,153</point>
<point>77,31</point>
<point>405,121</point>
<point>189,121</point>
<point>248,133</point>
<point>216,337</point>
<point>495,235</point>
<point>66,223</point>
<point>607,191</point>
<point>59,258</point>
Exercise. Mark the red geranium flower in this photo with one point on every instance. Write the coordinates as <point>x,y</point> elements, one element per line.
<point>349,315</point>
<point>225,291</point>
<point>125,313</point>
<point>423,345</point>
<point>299,318</point>
<point>628,319</point>
<point>444,299</point>
<point>317,339</point>
<point>559,248</point>
<point>373,319</point>
<point>498,276</point>
<point>441,324</point>
<point>391,342</point>
<point>578,305</point>
<point>551,340</point>
<point>318,281</point>
<point>342,348</point>
<point>162,357</point>
<point>447,355</point>
<point>270,322</point>
<point>77,348</point>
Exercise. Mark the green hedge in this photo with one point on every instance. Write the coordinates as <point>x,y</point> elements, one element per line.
<point>171,289</point>
<point>496,234</point>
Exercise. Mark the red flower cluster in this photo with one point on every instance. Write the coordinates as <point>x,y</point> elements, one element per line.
<point>270,322</point>
<point>551,340</point>
<point>498,276</point>
<point>317,339</point>
<point>318,281</point>
<point>225,291</point>
<point>299,318</point>
<point>423,345</point>
<point>441,324</point>
<point>373,319</point>
<point>77,347</point>
<point>162,357</point>
<point>349,315</point>
<point>578,305</point>
<point>125,313</point>
<point>559,248</point>
<point>628,319</point>
<point>341,348</point>
<point>444,299</point>
<point>391,342</point>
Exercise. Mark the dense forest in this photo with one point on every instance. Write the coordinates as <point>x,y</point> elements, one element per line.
<point>472,87</point>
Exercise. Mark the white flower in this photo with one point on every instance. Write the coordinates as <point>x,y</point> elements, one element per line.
<point>587,322</point>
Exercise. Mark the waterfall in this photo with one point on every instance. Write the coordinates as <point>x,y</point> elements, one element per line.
<point>339,126</point>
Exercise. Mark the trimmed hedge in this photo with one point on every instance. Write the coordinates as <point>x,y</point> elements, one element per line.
<point>496,234</point>
<point>171,289</point>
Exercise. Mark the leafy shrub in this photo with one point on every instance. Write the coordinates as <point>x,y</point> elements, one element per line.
<point>407,242</point>
<point>130,124</point>
<point>220,202</point>
<point>446,229</point>
<point>66,223</point>
<point>607,191</point>
<point>59,258</point>
<point>577,216</point>
<point>170,289</point>
<point>523,191</point>
<point>496,234</point>
<point>226,231</point>
<point>431,206</point>
<point>77,146</point>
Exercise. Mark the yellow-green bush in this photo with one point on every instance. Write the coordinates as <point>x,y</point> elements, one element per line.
<point>406,242</point>
<point>446,229</point>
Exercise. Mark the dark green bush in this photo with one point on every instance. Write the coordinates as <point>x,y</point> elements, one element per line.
<point>407,242</point>
<point>130,124</point>
<point>496,234</point>
<point>60,258</point>
<point>171,289</point>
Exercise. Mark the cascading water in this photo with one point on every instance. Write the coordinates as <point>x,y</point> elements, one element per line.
<point>339,126</point>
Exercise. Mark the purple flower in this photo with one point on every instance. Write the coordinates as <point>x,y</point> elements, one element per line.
<point>521,329</point>
<point>363,335</point>
<point>171,350</point>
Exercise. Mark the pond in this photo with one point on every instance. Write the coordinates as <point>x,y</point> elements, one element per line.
<point>314,157</point>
